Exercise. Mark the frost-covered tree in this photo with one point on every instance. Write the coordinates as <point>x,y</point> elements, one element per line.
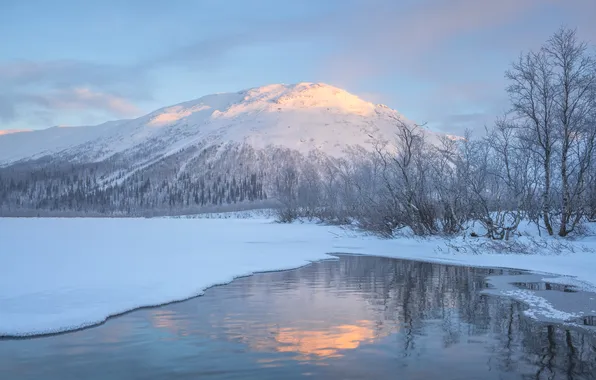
<point>552,93</point>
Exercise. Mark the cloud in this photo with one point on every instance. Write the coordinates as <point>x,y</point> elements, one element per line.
<point>353,42</point>
<point>42,91</point>
<point>69,73</point>
<point>70,99</point>
<point>387,28</point>
<point>370,40</point>
<point>84,98</point>
<point>385,36</point>
<point>440,54</point>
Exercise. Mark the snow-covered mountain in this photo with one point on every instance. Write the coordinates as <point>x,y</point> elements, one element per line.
<point>302,117</point>
<point>223,149</point>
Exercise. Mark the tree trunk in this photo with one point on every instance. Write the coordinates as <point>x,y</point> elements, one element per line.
<point>545,195</point>
<point>565,212</point>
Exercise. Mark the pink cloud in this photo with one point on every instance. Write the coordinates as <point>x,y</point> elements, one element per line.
<point>82,98</point>
<point>377,38</point>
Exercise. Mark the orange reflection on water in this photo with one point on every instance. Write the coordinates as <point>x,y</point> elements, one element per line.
<point>324,343</point>
<point>168,320</point>
<point>313,341</point>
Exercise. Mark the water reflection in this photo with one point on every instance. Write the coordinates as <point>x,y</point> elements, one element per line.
<point>323,343</point>
<point>358,317</point>
<point>546,286</point>
<point>327,342</point>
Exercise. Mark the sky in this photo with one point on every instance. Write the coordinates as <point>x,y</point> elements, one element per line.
<point>439,62</point>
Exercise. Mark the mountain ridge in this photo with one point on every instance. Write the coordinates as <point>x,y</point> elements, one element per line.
<point>241,149</point>
<point>304,116</point>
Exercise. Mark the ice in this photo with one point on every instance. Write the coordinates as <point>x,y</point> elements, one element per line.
<point>540,308</point>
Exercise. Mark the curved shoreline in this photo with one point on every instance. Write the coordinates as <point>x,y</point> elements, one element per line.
<point>76,273</point>
<point>530,308</point>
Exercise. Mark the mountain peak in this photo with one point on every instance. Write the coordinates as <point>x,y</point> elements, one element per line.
<point>309,95</point>
<point>273,98</point>
<point>303,116</point>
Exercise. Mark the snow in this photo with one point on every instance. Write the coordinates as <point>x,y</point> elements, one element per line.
<point>11,131</point>
<point>35,144</point>
<point>64,274</point>
<point>547,304</point>
<point>540,308</point>
<point>303,116</point>
<point>571,281</point>
<point>264,213</point>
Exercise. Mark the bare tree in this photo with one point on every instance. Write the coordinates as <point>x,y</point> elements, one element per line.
<point>450,185</point>
<point>511,167</point>
<point>286,188</point>
<point>405,172</point>
<point>532,97</point>
<point>309,188</point>
<point>573,81</point>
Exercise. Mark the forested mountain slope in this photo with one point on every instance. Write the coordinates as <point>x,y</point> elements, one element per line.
<point>219,149</point>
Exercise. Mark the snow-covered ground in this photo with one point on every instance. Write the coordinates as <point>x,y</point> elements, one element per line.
<point>264,213</point>
<point>63,274</point>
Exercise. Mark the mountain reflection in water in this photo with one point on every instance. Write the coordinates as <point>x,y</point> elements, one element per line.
<point>356,317</point>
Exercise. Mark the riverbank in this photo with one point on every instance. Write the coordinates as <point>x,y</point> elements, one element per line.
<point>64,274</point>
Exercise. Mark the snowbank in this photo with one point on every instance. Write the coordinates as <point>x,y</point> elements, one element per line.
<point>64,274</point>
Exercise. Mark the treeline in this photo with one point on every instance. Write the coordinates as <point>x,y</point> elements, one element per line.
<point>536,163</point>
<point>78,190</point>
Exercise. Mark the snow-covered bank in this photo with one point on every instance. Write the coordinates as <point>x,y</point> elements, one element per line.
<point>62,274</point>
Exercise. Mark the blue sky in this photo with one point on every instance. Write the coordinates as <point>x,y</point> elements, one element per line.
<point>77,62</point>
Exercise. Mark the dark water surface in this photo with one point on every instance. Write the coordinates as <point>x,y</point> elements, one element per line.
<point>352,318</point>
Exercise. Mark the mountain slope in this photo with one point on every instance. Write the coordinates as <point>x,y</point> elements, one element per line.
<point>303,117</point>
<point>237,150</point>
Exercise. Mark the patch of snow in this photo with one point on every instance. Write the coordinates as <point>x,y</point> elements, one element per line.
<point>63,274</point>
<point>173,114</point>
<point>540,308</point>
